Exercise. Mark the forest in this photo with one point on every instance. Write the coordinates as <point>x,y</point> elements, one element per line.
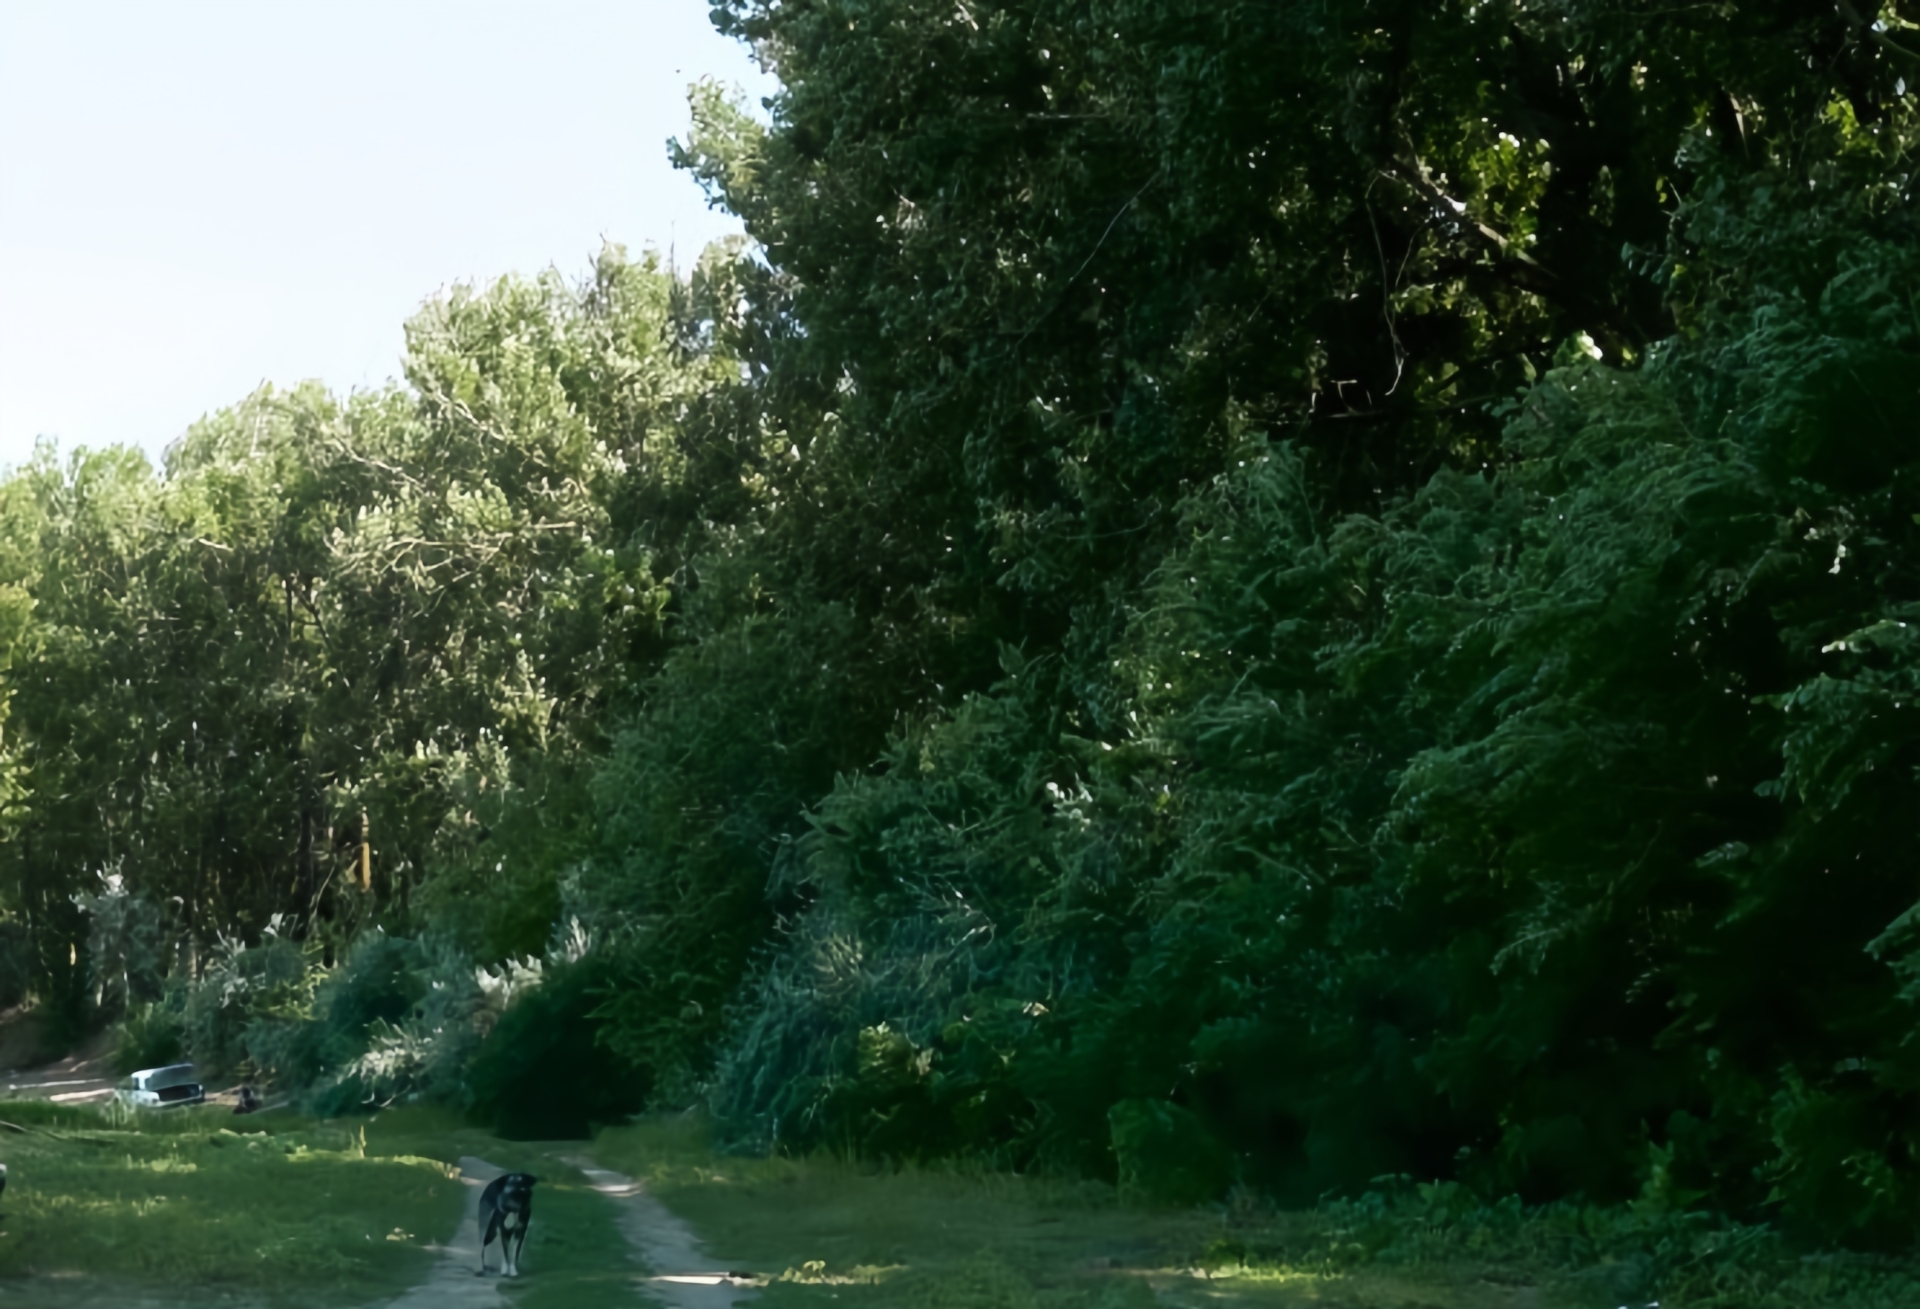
<point>1223,595</point>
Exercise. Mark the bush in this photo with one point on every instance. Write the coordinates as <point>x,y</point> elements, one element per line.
<point>151,1034</point>
<point>542,1072</point>
<point>424,1053</point>
<point>1166,1154</point>
<point>273,980</point>
<point>290,1052</point>
<point>379,981</point>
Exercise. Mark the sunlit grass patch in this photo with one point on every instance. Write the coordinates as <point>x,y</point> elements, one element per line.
<point>198,1198</point>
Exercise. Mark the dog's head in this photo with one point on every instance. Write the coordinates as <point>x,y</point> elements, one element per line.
<point>518,1186</point>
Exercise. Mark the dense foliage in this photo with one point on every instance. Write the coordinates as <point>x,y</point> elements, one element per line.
<point>1228,592</point>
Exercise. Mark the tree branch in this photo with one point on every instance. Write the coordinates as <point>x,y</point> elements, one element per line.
<point>1411,173</point>
<point>1858,22</point>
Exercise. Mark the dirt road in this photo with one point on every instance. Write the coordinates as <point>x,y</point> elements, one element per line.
<point>682,1275</point>
<point>455,1282</point>
<point>677,1271</point>
<point>83,1077</point>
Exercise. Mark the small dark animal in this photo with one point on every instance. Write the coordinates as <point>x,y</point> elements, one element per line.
<point>249,1101</point>
<point>506,1207</point>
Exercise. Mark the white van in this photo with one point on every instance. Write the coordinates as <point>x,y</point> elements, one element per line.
<point>163,1088</point>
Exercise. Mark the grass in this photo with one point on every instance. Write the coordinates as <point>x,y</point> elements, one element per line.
<point>575,1256</point>
<point>106,1209</point>
<point>110,1208</point>
<point>832,1233</point>
<point>269,1207</point>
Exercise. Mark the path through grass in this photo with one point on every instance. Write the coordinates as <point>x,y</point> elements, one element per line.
<point>199,1207</point>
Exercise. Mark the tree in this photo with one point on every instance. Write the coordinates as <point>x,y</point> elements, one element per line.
<point>1301,433</point>
<point>401,606</point>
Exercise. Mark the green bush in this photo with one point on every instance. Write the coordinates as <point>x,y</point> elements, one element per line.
<point>45,1113</point>
<point>542,1073</point>
<point>1166,1154</point>
<point>151,1035</point>
<point>272,980</point>
<point>379,981</point>
<point>291,1052</point>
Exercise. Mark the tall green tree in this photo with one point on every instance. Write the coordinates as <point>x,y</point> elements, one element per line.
<point>1331,485</point>
<point>333,623</point>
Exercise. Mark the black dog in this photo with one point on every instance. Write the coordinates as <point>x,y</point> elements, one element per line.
<point>506,1207</point>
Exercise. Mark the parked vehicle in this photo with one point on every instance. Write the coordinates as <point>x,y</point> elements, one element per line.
<point>163,1088</point>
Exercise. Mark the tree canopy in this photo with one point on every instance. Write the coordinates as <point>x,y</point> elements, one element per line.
<point>1320,589</point>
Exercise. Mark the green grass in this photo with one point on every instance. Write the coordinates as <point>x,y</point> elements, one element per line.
<point>131,1211</point>
<point>831,1233</point>
<point>575,1256</point>
<point>269,1207</point>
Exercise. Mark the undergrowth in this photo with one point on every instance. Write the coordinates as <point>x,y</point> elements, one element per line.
<point>1631,1254</point>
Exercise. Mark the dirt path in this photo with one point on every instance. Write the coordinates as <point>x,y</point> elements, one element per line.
<point>83,1077</point>
<point>683,1274</point>
<point>455,1282</point>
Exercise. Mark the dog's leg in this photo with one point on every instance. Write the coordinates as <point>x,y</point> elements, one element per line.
<point>520,1237</point>
<point>491,1220</point>
<point>517,1238</point>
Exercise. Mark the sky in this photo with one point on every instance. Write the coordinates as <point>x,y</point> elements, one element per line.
<point>198,196</point>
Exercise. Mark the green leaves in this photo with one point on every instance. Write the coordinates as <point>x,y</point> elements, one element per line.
<point>1319,583</point>
<point>401,605</point>
<point>1381,838</point>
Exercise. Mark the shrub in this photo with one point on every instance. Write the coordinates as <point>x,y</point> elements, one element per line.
<point>379,981</point>
<point>542,1073</point>
<point>1166,1154</point>
<point>245,984</point>
<point>151,1034</point>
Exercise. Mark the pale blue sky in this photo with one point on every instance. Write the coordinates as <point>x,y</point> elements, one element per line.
<point>197,196</point>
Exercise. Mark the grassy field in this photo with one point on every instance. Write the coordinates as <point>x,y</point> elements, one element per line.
<point>198,1206</point>
<point>830,1233</point>
<point>268,1207</point>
